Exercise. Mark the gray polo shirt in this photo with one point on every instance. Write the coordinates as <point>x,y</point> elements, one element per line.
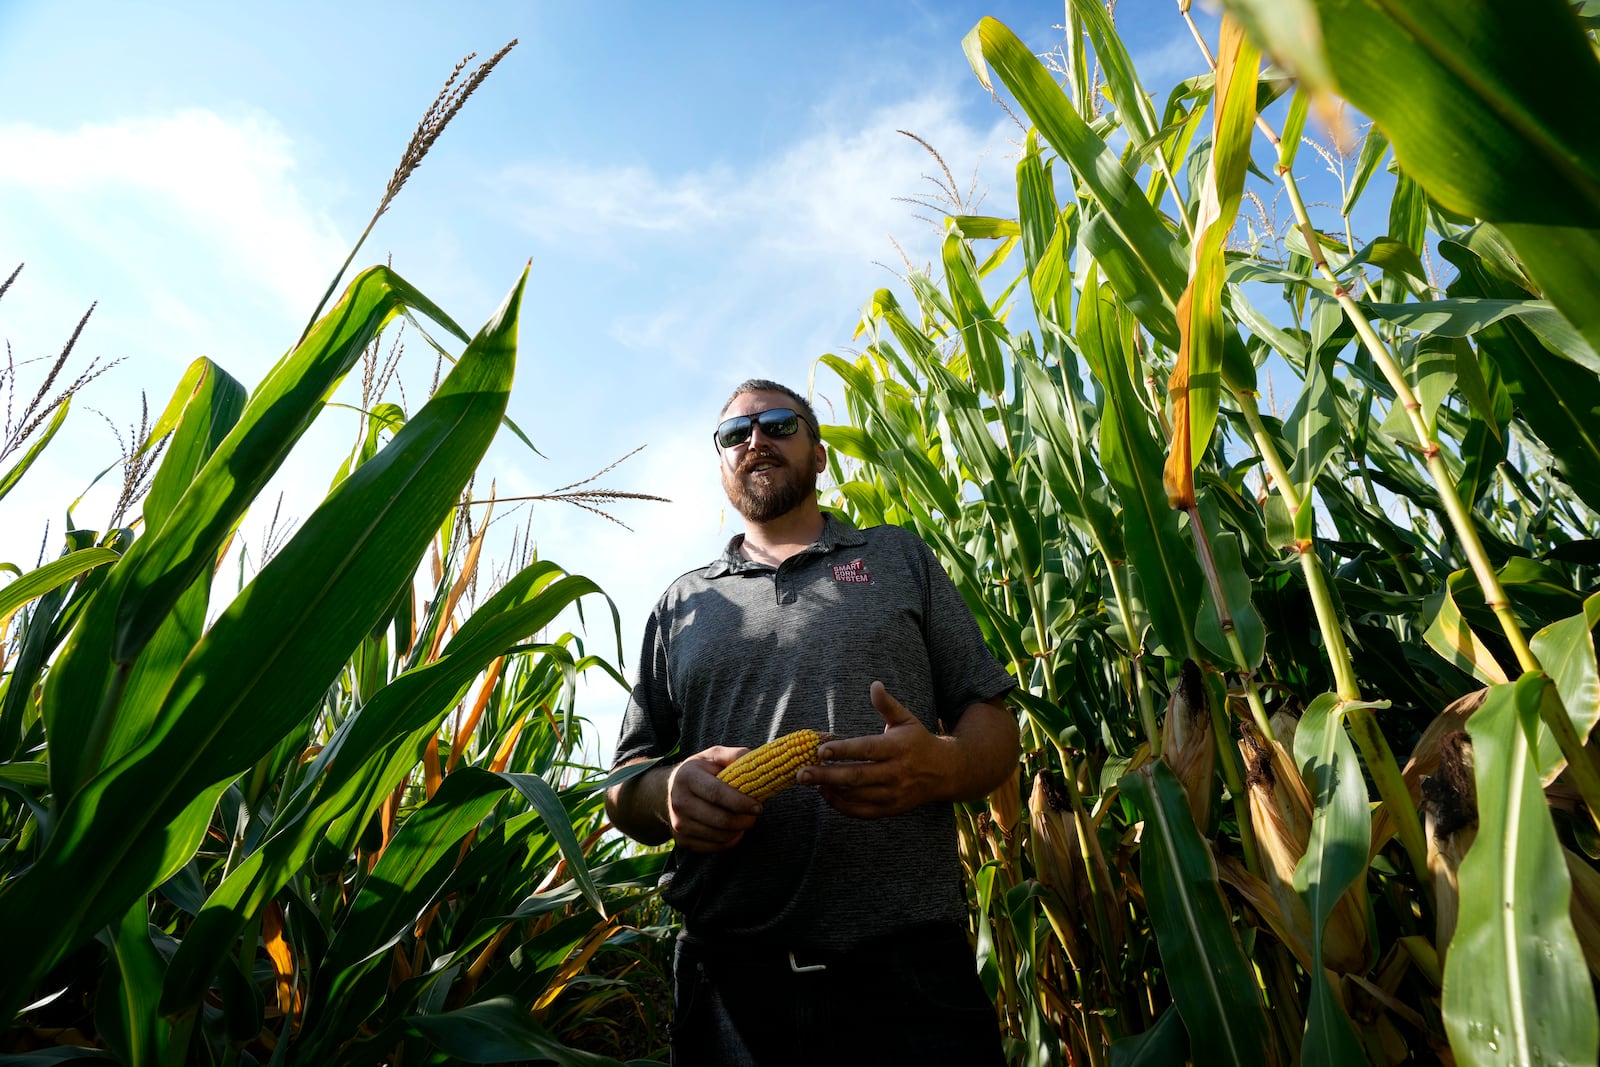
<point>740,652</point>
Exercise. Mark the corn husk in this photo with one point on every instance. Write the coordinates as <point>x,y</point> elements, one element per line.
<point>1187,743</point>
<point>1450,819</point>
<point>1058,864</point>
<point>1280,811</point>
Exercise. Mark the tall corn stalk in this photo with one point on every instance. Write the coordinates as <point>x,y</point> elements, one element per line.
<point>1281,867</point>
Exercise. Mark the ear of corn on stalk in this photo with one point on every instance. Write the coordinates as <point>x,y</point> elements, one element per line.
<point>1187,745</point>
<point>1450,814</point>
<point>766,771</point>
<point>1057,863</point>
<point>1280,809</point>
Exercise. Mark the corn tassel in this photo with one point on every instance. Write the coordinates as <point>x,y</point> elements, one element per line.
<point>764,772</point>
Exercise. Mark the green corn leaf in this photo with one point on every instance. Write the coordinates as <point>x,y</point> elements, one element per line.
<point>1516,989</point>
<point>977,227</point>
<point>499,1030</point>
<point>1313,426</point>
<point>1168,573</point>
<point>1478,103</point>
<point>1212,983</point>
<point>1463,316</point>
<point>365,760</point>
<point>1236,590</point>
<point>1076,481</point>
<point>1164,1044</point>
<point>1449,634</point>
<point>962,410</point>
<point>52,575</point>
<point>1197,381</point>
<point>1335,859</point>
<point>140,592</point>
<point>1291,347</point>
<point>14,475</point>
<point>1130,276</point>
<point>279,411</point>
<point>1483,391</point>
<point>415,865</point>
<point>1558,399</point>
<point>51,613</point>
<point>140,1030</point>
<point>1133,106</point>
<point>1374,146</point>
<point>1566,652</point>
<point>205,406</point>
<point>1395,258</point>
<point>1046,242</point>
<point>1134,224</point>
<point>981,333</point>
<point>267,659</point>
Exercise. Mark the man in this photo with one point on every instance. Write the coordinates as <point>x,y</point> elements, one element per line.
<point>828,925</point>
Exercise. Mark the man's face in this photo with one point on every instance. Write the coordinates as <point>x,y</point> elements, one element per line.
<point>766,477</point>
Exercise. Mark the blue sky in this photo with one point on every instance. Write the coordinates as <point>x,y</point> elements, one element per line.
<point>706,192</point>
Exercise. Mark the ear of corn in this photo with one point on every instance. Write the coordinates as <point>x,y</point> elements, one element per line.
<point>766,771</point>
<point>1187,743</point>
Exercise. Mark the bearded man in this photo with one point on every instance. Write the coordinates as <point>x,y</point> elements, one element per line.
<point>827,925</point>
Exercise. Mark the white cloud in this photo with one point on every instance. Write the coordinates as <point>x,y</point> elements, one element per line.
<point>192,232</point>
<point>563,201</point>
<point>761,270</point>
<point>141,189</point>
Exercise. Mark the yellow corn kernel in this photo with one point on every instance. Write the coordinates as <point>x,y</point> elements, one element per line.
<point>766,771</point>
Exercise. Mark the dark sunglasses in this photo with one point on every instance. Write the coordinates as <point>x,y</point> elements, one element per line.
<point>774,422</point>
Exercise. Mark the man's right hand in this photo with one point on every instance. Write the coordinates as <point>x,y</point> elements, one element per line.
<point>704,814</point>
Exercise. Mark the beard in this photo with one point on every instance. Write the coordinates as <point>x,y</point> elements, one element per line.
<point>762,499</point>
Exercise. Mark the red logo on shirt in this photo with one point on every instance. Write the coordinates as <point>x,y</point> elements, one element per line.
<point>854,571</point>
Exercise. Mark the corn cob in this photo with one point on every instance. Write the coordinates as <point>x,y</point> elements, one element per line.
<point>766,771</point>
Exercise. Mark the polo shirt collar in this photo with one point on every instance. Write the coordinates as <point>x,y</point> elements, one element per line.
<point>837,533</point>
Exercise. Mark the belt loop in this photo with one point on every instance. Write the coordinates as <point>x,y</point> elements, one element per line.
<point>799,968</point>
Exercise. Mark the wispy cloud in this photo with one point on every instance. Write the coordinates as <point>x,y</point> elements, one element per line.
<point>771,260</point>
<point>191,230</point>
<point>147,187</point>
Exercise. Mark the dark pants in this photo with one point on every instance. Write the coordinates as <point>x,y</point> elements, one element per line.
<point>910,998</point>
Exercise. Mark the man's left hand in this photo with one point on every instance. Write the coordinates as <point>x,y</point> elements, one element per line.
<point>885,774</point>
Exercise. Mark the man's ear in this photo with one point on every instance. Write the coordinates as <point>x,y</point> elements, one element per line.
<point>822,458</point>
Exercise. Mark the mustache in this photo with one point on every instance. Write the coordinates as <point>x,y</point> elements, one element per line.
<point>764,456</point>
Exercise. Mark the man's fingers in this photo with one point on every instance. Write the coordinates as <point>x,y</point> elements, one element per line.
<point>873,747</point>
<point>706,842</point>
<point>863,775</point>
<point>894,713</point>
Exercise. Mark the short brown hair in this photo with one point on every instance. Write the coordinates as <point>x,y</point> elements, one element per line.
<point>763,385</point>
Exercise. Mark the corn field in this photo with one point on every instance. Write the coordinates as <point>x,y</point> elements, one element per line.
<point>1287,527</point>
<point>1306,687</point>
<point>336,816</point>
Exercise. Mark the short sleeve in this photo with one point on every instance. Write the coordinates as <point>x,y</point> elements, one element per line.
<point>650,726</point>
<point>964,670</point>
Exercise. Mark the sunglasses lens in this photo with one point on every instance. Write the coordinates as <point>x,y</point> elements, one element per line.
<point>734,431</point>
<point>779,422</point>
